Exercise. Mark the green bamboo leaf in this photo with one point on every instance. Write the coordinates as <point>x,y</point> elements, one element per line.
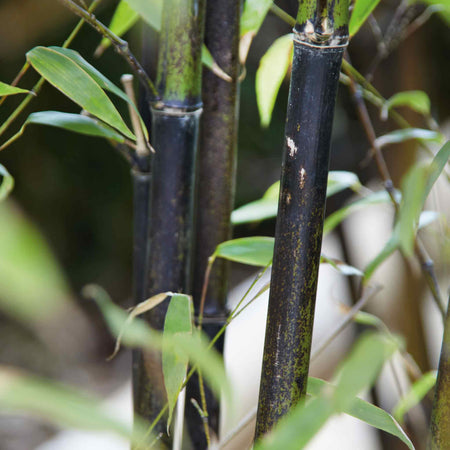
<point>405,134</point>
<point>62,405</point>
<point>137,333</point>
<point>73,81</point>
<point>254,251</point>
<point>178,322</point>
<point>341,267</point>
<point>437,166</point>
<point>255,11</point>
<point>70,122</point>
<point>267,206</point>
<point>358,372</point>
<point>415,395</point>
<point>361,11</point>
<point>365,318</point>
<point>416,100</point>
<point>7,183</point>
<point>100,79</point>
<point>123,19</point>
<point>388,249</point>
<point>271,72</point>
<point>6,89</point>
<point>149,10</point>
<point>365,411</point>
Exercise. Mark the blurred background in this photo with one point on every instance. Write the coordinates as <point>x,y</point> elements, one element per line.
<point>68,221</point>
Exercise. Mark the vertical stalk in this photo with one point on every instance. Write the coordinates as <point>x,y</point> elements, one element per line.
<point>320,37</point>
<point>175,123</point>
<point>215,187</point>
<point>440,413</point>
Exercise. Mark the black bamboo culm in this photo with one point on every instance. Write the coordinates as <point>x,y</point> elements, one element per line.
<point>440,414</point>
<point>175,123</point>
<point>320,36</point>
<point>215,188</point>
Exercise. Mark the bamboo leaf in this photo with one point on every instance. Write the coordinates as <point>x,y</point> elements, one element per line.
<point>100,79</point>
<point>267,206</point>
<point>365,318</point>
<point>254,251</point>
<point>437,166</point>
<point>341,266</point>
<point>427,217</point>
<point>6,89</point>
<point>139,334</point>
<point>361,11</point>
<point>178,322</point>
<point>255,11</point>
<point>271,72</point>
<point>405,134</point>
<point>73,81</point>
<point>123,19</point>
<point>415,395</point>
<point>7,183</point>
<point>149,10</point>
<point>416,100</point>
<point>358,372</point>
<point>365,411</point>
<point>61,405</point>
<point>389,248</point>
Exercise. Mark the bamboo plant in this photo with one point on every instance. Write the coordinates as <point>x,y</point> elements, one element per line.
<point>320,37</point>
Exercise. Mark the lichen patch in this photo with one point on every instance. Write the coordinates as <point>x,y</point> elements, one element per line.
<point>303,177</point>
<point>291,146</point>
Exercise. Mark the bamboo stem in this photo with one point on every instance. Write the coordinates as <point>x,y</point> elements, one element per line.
<point>320,37</point>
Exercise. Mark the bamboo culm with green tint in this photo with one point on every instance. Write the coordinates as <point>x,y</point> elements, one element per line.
<point>215,189</point>
<point>320,37</point>
<point>175,119</point>
<point>440,414</point>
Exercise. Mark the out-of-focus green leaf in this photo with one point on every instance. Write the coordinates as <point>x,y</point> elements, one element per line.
<point>440,6</point>
<point>361,11</point>
<point>427,217</point>
<point>365,318</point>
<point>437,166</point>
<point>123,19</point>
<point>178,322</point>
<point>416,100</point>
<point>389,248</point>
<point>7,183</point>
<point>405,134</point>
<point>337,217</point>
<point>32,287</point>
<point>149,10</point>
<point>73,81</point>
<point>137,333</point>
<point>61,405</point>
<point>254,251</point>
<point>70,122</point>
<point>358,372</point>
<point>341,267</point>
<point>270,74</point>
<point>267,206</point>
<point>415,395</point>
<point>255,11</point>
<point>365,411</point>
<point>6,89</point>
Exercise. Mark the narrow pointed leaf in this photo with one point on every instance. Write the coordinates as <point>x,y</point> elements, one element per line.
<point>407,134</point>
<point>271,72</point>
<point>437,166</point>
<point>341,267</point>
<point>415,395</point>
<point>255,11</point>
<point>361,11</point>
<point>416,100</point>
<point>6,89</point>
<point>178,322</point>
<point>254,251</point>
<point>339,180</point>
<point>77,84</point>
<point>149,10</point>
<point>7,183</point>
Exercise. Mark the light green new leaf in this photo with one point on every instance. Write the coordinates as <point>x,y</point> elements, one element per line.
<point>178,322</point>
<point>254,251</point>
<point>6,89</point>
<point>70,122</point>
<point>255,11</point>
<point>361,11</point>
<point>406,134</point>
<point>437,166</point>
<point>365,318</point>
<point>7,183</point>
<point>270,74</point>
<point>365,411</point>
<point>61,405</point>
<point>267,206</point>
<point>123,19</point>
<point>73,81</point>
<point>415,395</point>
<point>416,100</point>
<point>357,372</point>
<point>149,10</point>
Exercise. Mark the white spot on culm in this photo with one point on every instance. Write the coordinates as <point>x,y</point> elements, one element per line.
<point>303,177</point>
<point>291,146</point>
